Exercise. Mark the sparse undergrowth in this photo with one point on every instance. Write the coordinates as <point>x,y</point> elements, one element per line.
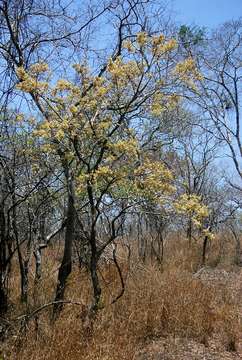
<point>158,303</point>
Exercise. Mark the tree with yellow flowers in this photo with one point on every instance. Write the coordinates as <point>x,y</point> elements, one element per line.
<point>91,125</point>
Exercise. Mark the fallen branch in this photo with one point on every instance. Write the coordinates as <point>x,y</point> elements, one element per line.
<point>27,317</point>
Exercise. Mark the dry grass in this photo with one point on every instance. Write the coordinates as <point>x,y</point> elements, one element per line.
<point>158,303</point>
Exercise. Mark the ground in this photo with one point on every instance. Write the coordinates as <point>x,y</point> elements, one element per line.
<point>174,348</point>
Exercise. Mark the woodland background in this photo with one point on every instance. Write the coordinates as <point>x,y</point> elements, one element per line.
<point>120,183</point>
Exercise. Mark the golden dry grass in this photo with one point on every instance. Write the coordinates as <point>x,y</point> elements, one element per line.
<point>159,302</point>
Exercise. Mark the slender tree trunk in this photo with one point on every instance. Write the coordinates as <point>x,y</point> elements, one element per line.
<point>161,242</point>
<point>25,281</point>
<point>205,243</point>
<point>238,253</point>
<point>3,263</point>
<point>3,247</point>
<point>38,273</point>
<point>23,263</point>
<point>95,284</point>
<point>189,232</point>
<point>66,264</point>
<point>94,253</point>
<point>24,270</point>
<point>38,263</point>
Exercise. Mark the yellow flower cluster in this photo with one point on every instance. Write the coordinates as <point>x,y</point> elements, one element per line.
<point>129,46</point>
<point>81,182</point>
<point>161,103</point>
<point>38,68</point>
<point>28,82</point>
<point>187,70</point>
<point>103,125</point>
<point>19,118</point>
<point>103,172</point>
<point>158,40</point>
<point>123,71</point>
<point>158,45</point>
<point>81,69</point>
<point>208,233</point>
<point>159,49</point>
<point>172,101</point>
<point>43,130</point>
<point>142,38</point>
<point>129,147</point>
<point>186,66</point>
<point>157,105</point>
<point>54,129</point>
<point>154,178</point>
<point>191,204</point>
<point>63,85</point>
<point>73,109</point>
<point>21,73</point>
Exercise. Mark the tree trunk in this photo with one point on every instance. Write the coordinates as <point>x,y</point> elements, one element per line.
<point>3,263</point>
<point>189,232</point>
<point>95,284</point>
<point>66,264</point>
<point>238,253</point>
<point>205,243</point>
<point>25,282</point>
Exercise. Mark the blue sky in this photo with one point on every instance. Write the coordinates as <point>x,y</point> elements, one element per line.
<point>208,13</point>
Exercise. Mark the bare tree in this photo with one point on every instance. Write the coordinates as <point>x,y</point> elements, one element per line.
<point>219,94</point>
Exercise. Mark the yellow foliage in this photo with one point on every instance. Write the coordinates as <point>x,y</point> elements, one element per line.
<point>154,179</point>
<point>21,73</point>
<point>158,40</point>
<point>160,49</point>
<point>19,118</point>
<point>129,46</point>
<point>89,111</point>
<point>63,85</point>
<point>187,71</point>
<point>129,147</point>
<point>192,205</point>
<point>28,80</point>
<point>142,38</point>
<point>38,68</point>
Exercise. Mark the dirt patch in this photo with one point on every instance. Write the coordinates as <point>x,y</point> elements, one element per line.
<point>179,349</point>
